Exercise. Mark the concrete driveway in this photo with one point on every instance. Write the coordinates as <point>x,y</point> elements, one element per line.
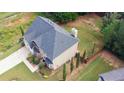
<point>14,59</point>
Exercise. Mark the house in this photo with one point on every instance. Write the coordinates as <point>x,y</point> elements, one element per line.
<point>114,75</point>
<point>46,39</point>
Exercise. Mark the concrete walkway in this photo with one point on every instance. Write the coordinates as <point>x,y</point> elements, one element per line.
<point>14,59</point>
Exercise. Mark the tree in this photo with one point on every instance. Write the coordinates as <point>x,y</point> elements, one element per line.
<point>93,48</point>
<point>109,19</point>
<point>78,60</point>
<point>22,30</point>
<point>71,65</point>
<point>33,59</point>
<point>83,57</point>
<point>64,72</point>
<point>114,38</point>
<point>61,17</point>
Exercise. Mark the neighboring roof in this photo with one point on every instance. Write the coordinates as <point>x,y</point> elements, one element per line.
<point>114,75</point>
<point>50,37</point>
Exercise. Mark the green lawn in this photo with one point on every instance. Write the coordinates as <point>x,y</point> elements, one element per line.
<point>57,76</point>
<point>20,72</point>
<point>10,51</point>
<point>91,72</point>
<point>6,14</point>
<point>88,36</point>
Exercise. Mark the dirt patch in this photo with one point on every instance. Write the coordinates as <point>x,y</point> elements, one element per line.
<point>20,20</point>
<point>112,59</point>
<point>85,20</point>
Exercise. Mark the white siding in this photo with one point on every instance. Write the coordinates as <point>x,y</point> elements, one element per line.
<point>27,46</point>
<point>65,56</point>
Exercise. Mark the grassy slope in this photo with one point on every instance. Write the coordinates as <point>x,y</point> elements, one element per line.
<point>10,35</point>
<point>91,72</point>
<point>6,14</point>
<point>20,72</point>
<point>88,36</point>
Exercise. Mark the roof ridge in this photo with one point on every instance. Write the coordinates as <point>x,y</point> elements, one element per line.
<point>54,25</point>
<point>45,20</point>
<point>54,45</point>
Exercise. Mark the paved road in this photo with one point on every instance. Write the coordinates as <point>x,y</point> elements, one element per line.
<point>14,59</point>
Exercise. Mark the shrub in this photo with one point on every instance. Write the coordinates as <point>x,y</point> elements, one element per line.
<point>33,59</point>
<point>83,57</point>
<point>78,60</point>
<point>41,66</point>
<point>22,30</point>
<point>71,65</point>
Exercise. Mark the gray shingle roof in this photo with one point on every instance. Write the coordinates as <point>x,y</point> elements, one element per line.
<point>114,75</point>
<point>50,37</point>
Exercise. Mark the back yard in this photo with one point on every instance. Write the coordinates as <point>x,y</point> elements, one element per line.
<point>88,32</point>
<point>89,72</point>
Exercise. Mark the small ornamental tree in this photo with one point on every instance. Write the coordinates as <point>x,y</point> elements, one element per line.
<point>93,48</point>
<point>78,60</point>
<point>64,72</point>
<point>71,65</point>
<point>83,57</point>
<point>22,30</point>
<point>22,33</point>
<point>33,59</point>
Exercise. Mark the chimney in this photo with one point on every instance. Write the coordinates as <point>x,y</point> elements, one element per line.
<point>74,32</point>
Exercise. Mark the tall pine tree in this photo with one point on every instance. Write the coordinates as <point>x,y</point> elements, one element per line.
<point>64,72</point>
<point>78,60</point>
<point>71,65</point>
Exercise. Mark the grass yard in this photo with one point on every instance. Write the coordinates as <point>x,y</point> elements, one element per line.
<point>10,32</point>
<point>88,32</point>
<point>10,51</point>
<point>91,72</point>
<point>6,14</point>
<point>58,74</point>
<point>20,72</point>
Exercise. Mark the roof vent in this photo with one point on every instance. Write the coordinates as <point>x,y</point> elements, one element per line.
<point>74,32</point>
